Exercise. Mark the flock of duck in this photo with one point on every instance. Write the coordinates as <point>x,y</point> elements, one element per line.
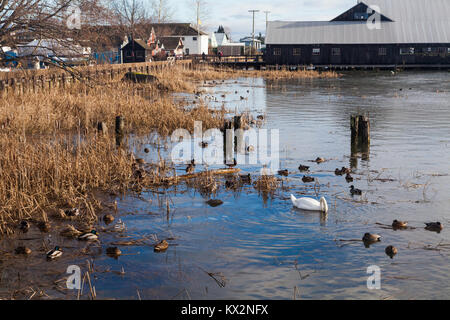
<point>310,204</point>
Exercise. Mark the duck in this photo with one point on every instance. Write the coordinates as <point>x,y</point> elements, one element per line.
<point>161,246</point>
<point>303,168</point>
<point>55,253</point>
<point>234,164</point>
<point>74,212</point>
<point>349,178</point>
<point>250,149</point>
<point>23,250</point>
<point>230,184</point>
<point>283,173</point>
<point>191,167</point>
<point>434,226</point>
<point>307,179</point>
<point>108,219</point>
<point>147,150</point>
<point>113,252</point>
<point>355,192</point>
<point>371,238</point>
<point>310,204</point>
<point>338,172</point>
<point>399,225</point>
<point>246,178</point>
<point>24,226</point>
<point>345,170</point>
<point>391,251</point>
<point>204,144</point>
<point>214,203</point>
<point>120,226</point>
<point>44,226</point>
<point>89,236</point>
<point>320,160</point>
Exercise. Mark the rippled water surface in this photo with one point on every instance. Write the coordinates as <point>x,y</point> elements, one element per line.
<point>266,249</point>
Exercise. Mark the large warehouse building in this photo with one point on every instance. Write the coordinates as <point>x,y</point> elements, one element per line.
<point>373,32</point>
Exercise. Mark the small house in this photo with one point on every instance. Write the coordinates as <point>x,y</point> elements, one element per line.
<point>136,51</point>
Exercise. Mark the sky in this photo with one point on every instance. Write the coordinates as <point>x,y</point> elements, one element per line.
<point>234,14</point>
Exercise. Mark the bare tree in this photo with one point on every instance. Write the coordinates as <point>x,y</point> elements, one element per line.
<point>130,14</point>
<point>162,10</point>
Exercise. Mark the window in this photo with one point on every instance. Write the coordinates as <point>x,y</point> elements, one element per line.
<point>336,51</point>
<point>382,51</point>
<point>316,52</point>
<point>361,16</point>
<point>195,38</point>
<point>297,52</point>
<point>406,51</point>
<point>277,52</point>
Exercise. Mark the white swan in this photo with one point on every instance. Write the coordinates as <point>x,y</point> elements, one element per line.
<point>310,204</point>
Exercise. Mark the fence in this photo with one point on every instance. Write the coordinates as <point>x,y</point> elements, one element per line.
<point>32,80</point>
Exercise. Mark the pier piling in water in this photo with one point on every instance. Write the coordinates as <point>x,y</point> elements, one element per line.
<point>360,137</point>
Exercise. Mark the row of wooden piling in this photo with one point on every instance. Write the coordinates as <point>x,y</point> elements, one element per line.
<point>26,81</point>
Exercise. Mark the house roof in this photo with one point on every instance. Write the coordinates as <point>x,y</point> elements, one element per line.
<point>170,43</point>
<point>221,38</point>
<point>413,21</point>
<point>175,29</point>
<point>140,42</point>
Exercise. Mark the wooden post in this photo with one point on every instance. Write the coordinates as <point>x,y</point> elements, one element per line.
<point>228,133</point>
<point>120,129</point>
<point>102,128</point>
<point>360,138</point>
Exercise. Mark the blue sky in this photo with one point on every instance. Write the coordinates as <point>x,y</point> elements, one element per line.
<point>234,13</point>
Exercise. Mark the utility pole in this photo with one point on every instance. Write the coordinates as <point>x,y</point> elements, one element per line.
<point>267,17</point>
<point>253,32</point>
<point>199,47</point>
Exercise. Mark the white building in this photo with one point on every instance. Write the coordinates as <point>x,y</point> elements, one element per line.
<point>195,41</point>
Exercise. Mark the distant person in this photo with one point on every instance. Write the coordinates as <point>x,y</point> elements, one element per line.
<point>203,56</point>
<point>220,55</point>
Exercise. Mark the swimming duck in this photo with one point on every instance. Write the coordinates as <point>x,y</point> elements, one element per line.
<point>89,236</point>
<point>44,226</point>
<point>307,179</point>
<point>399,225</point>
<point>23,250</point>
<point>108,219</point>
<point>246,178</point>
<point>162,246</point>
<point>349,178</point>
<point>434,226</point>
<point>250,149</point>
<point>214,203</point>
<point>355,192</point>
<point>24,226</point>
<point>345,170</point>
<point>303,168</point>
<point>391,251</point>
<point>338,172</point>
<point>147,150</point>
<point>113,252</point>
<point>320,160</point>
<point>204,144</point>
<point>284,173</point>
<point>191,167</point>
<point>140,161</point>
<point>371,238</point>
<point>55,253</point>
<point>310,204</point>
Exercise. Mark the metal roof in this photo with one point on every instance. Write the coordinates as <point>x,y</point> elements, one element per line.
<point>414,21</point>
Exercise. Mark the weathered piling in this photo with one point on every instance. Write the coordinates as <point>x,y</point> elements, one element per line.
<point>120,130</point>
<point>228,141</point>
<point>102,128</point>
<point>360,138</point>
